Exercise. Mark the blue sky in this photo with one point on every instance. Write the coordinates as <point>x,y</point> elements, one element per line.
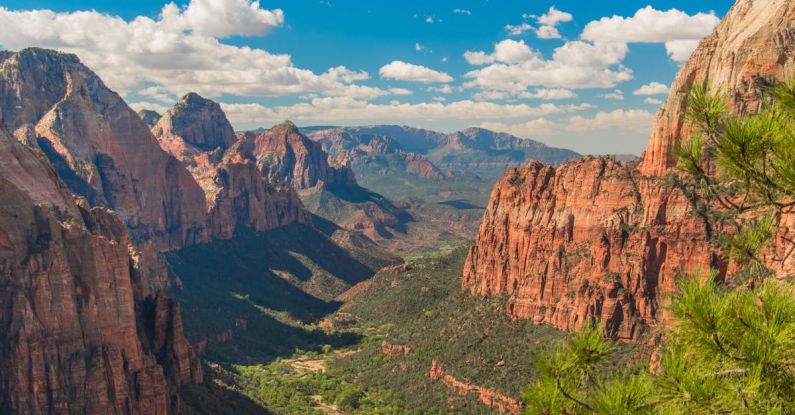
<point>559,75</point>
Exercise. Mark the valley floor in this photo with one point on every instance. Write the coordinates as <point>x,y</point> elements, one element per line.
<point>406,341</point>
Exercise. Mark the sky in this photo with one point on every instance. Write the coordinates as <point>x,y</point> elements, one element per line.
<point>588,76</point>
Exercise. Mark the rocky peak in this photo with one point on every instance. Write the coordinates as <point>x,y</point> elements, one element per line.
<point>286,155</point>
<point>197,121</point>
<point>754,43</point>
<point>149,117</point>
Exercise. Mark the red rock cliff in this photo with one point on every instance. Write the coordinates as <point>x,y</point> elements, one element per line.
<point>594,239</point>
<point>72,339</point>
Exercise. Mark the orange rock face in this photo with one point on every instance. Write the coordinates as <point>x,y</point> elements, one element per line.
<point>595,239</point>
<point>73,339</point>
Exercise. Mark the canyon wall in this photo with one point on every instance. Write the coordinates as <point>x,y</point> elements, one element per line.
<point>597,239</point>
<point>73,338</point>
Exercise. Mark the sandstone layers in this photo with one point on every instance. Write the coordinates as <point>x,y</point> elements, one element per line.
<point>74,338</point>
<point>595,239</point>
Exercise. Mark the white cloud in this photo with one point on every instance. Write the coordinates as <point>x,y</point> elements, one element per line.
<point>653,101</point>
<point>400,91</point>
<point>444,59</point>
<point>539,127</point>
<point>547,24</point>
<point>439,99</point>
<point>516,30</point>
<point>154,106</point>
<point>158,93</point>
<point>462,11</point>
<point>635,121</point>
<point>403,71</point>
<point>511,51</point>
<point>679,31</point>
<point>418,47</point>
<point>639,121</point>
<point>653,88</point>
<point>680,50</point>
<point>223,18</point>
<point>343,109</point>
<point>543,94</point>
<point>617,95</point>
<point>177,51</point>
<point>574,65</point>
<point>478,58</point>
<point>429,19</point>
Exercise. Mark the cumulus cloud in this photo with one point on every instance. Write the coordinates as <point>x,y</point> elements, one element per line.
<point>617,95</point>
<point>679,31</point>
<point>344,109</point>
<point>462,11</point>
<point>639,121</point>
<point>539,127</point>
<point>404,71</point>
<point>547,24</point>
<point>653,101</point>
<point>577,64</point>
<point>400,91</point>
<point>223,18</point>
<point>180,51</point>
<point>444,89</point>
<point>542,94</point>
<point>653,88</point>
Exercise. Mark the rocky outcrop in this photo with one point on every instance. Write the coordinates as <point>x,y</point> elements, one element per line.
<point>72,339</point>
<point>391,349</point>
<point>149,117</point>
<point>595,239</point>
<point>192,126</point>
<point>285,155</point>
<point>238,194</point>
<point>99,146</point>
<point>488,397</point>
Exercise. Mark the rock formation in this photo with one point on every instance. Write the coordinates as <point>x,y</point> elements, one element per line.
<point>99,146</point>
<point>284,154</point>
<point>149,117</point>
<point>73,341</point>
<point>237,193</point>
<point>595,239</point>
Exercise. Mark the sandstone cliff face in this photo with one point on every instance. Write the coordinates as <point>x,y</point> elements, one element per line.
<point>72,341</point>
<point>755,42</point>
<point>237,196</point>
<point>99,146</point>
<point>192,126</point>
<point>285,155</point>
<point>594,239</point>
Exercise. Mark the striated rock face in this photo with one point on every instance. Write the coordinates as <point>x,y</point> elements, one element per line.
<point>99,146</point>
<point>192,126</point>
<point>237,196</point>
<point>72,340</point>
<point>755,42</point>
<point>284,154</point>
<point>595,239</point>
